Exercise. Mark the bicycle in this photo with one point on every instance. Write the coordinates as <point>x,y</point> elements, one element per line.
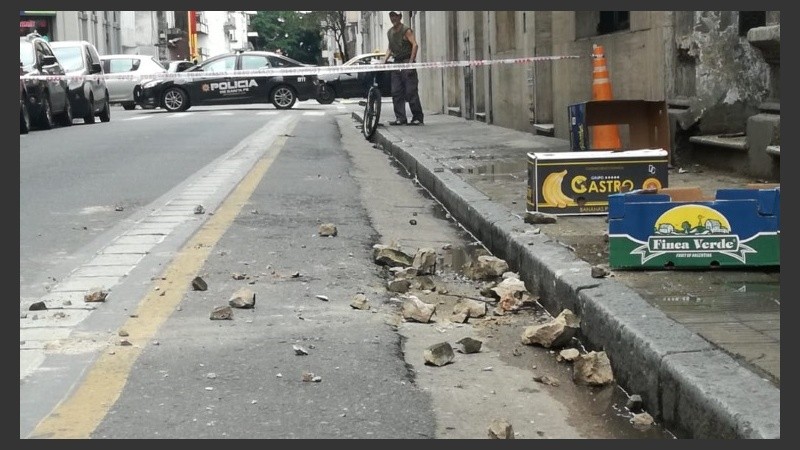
<point>372,110</point>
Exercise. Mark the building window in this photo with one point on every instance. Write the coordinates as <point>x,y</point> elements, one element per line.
<point>751,19</point>
<point>612,21</point>
<point>505,29</point>
<point>595,23</point>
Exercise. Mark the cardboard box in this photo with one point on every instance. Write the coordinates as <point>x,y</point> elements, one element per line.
<point>579,183</point>
<point>643,124</point>
<point>682,228</point>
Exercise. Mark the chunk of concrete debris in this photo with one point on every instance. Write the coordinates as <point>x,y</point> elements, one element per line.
<point>470,308</point>
<point>512,294</point>
<point>546,379</point>
<point>642,420</point>
<point>459,317</point>
<point>553,334</point>
<point>425,261</point>
<point>328,229</point>
<point>222,313</point>
<point>568,354</point>
<point>399,286</point>
<point>392,257</point>
<point>403,273</point>
<point>310,377</point>
<point>501,429</point>
<point>300,351</point>
<point>198,284</point>
<point>243,298</point>
<point>360,301</point>
<point>469,345</point>
<point>600,271</point>
<point>423,283</point>
<point>238,276</point>
<point>199,209</point>
<point>96,295</point>
<point>634,403</point>
<point>536,217</point>
<point>593,368</point>
<point>416,310</point>
<point>37,306</point>
<point>439,354</point>
<point>486,267</point>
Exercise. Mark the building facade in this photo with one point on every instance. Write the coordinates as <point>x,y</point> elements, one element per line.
<point>718,72</point>
<point>162,34</point>
<point>101,28</point>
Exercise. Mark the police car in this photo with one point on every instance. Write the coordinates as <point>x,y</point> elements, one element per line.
<point>179,93</point>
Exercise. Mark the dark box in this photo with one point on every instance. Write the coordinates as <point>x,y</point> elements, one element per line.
<point>647,123</point>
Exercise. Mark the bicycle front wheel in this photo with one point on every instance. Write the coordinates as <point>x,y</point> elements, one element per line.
<point>372,113</point>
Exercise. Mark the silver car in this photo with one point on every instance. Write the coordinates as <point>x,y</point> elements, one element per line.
<point>124,91</point>
<point>89,95</point>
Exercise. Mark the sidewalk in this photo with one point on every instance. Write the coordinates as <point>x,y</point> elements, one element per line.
<point>702,348</point>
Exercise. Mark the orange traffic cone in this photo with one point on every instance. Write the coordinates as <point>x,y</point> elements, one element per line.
<point>604,137</point>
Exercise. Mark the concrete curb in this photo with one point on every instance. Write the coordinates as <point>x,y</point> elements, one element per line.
<point>686,383</point>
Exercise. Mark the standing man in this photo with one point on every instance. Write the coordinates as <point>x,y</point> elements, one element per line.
<point>403,46</point>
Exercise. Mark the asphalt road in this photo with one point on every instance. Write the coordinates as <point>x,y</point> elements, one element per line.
<point>266,180</point>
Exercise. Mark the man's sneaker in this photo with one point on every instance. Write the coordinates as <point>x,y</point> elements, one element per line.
<point>416,122</point>
<point>398,122</point>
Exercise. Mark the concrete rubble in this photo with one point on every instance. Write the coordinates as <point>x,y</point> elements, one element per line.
<point>243,298</point>
<point>439,354</point>
<point>553,334</point>
<point>95,295</point>
<point>593,368</point>
<point>501,429</point>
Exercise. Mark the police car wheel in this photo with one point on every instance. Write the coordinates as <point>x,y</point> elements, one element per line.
<point>326,94</point>
<point>283,97</point>
<point>175,100</point>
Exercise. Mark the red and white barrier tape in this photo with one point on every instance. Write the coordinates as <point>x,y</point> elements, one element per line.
<point>304,70</point>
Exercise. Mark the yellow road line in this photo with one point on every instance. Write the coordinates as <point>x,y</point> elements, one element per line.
<point>79,415</point>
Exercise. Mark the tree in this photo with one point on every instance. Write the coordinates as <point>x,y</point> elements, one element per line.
<point>335,22</point>
<point>296,34</point>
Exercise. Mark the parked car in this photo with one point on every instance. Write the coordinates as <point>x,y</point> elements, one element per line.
<point>24,115</point>
<point>179,94</point>
<point>354,84</point>
<point>46,99</point>
<point>87,91</point>
<point>123,91</point>
<point>177,65</point>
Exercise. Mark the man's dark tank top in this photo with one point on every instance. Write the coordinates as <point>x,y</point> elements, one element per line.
<point>401,48</point>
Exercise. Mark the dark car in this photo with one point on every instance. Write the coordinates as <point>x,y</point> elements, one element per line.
<point>87,88</point>
<point>354,84</point>
<point>179,93</point>
<point>24,115</point>
<point>178,65</point>
<point>46,98</point>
